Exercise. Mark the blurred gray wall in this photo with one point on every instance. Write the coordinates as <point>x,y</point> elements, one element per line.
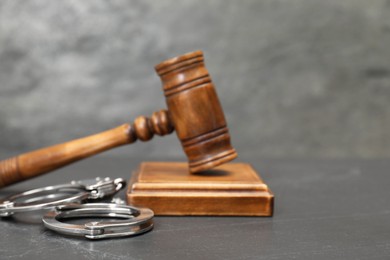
<point>297,78</point>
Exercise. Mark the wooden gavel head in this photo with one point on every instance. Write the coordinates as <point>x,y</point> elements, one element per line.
<point>195,111</point>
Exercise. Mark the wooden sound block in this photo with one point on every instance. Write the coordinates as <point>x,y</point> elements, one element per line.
<point>233,189</point>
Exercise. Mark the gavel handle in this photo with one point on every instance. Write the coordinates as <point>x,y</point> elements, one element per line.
<point>44,160</point>
<point>41,161</point>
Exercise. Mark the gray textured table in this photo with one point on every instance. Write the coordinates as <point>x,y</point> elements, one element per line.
<point>325,209</point>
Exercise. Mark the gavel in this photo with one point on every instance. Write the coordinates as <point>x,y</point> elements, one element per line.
<point>194,111</point>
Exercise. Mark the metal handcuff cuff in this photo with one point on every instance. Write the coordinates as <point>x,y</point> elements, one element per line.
<point>64,201</point>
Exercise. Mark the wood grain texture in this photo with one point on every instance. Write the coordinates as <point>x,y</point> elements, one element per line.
<point>196,111</point>
<point>233,189</point>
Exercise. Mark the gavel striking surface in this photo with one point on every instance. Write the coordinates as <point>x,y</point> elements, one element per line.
<point>232,189</point>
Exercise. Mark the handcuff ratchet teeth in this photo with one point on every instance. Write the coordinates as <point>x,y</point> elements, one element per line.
<point>50,196</point>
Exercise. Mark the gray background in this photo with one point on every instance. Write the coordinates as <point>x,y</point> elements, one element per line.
<point>302,78</point>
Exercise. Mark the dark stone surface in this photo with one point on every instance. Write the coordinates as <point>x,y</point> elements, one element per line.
<point>325,209</point>
<point>296,78</point>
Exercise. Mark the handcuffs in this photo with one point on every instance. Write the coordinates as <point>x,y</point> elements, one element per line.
<point>65,201</point>
<point>136,220</point>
